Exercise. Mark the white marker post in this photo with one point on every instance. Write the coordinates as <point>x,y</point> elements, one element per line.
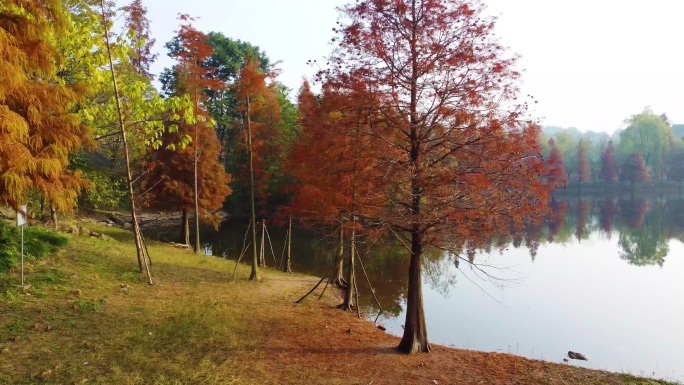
<point>21,221</point>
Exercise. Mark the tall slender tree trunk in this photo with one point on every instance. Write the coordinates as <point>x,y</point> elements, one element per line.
<point>262,248</point>
<point>185,229</point>
<point>142,262</point>
<point>255,263</point>
<point>338,277</point>
<point>196,247</point>
<point>288,258</point>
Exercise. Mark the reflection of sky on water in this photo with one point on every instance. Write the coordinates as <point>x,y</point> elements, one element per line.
<point>578,296</point>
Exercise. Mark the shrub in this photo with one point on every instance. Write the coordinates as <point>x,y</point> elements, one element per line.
<point>105,193</point>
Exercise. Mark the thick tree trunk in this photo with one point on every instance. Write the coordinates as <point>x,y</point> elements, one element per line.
<point>288,258</point>
<point>348,303</point>
<point>185,229</point>
<point>255,263</point>
<point>338,277</point>
<point>415,338</point>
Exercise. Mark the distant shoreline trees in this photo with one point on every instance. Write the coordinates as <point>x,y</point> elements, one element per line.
<point>599,154</point>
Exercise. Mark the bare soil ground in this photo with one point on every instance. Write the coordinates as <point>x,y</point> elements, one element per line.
<point>89,318</point>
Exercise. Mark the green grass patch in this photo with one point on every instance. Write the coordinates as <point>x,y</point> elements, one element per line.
<point>39,242</point>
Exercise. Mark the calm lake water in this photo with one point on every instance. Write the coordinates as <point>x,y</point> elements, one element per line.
<point>603,277</point>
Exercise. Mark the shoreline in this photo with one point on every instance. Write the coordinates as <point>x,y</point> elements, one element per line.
<point>89,316</point>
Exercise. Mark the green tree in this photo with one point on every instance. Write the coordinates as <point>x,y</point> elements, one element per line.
<point>566,143</point>
<point>675,169</point>
<point>648,134</point>
<point>583,166</point>
<point>122,104</point>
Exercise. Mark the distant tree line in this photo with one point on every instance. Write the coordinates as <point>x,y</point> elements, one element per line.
<point>649,149</point>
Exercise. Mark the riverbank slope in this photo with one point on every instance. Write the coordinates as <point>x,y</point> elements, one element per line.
<point>89,318</point>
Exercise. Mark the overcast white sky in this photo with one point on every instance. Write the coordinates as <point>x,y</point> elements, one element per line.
<point>590,63</point>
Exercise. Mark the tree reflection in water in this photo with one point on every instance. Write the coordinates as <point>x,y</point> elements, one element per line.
<point>642,226</point>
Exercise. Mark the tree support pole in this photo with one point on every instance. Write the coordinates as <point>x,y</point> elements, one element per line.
<point>315,287</point>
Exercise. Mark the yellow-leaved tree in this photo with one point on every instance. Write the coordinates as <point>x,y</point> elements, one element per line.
<point>38,130</point>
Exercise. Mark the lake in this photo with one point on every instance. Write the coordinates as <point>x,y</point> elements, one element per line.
<point>603,277</point>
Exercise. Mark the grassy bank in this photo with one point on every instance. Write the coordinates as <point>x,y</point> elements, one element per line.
<point>88,317</point>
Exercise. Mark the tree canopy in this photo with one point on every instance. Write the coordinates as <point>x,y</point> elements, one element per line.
<point>39,127</point>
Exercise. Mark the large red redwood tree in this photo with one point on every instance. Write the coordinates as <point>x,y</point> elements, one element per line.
<point>454,157</point>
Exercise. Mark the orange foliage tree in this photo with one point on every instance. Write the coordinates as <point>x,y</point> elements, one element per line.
<point>450,162</point>
<point>634,169</point>
<point>609,171</point>
<point>607,210</point>
<point>333,170</point>
<point>555,167</point>
<point>261,113</point>
<point>139,28</point>
<point>38,129</point>
<point>190,178</point>
<point>583,168</point>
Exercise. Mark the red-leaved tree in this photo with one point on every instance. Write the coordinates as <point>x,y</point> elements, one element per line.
<point>190,178</point>
<point>634,169</point>
<point>260,110</point>
<point>139,27</point>
<point>583,168</point>
<point>450,161</point>
<point>609,172</point>
<point>555,167</point>
<point>333,168</point>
